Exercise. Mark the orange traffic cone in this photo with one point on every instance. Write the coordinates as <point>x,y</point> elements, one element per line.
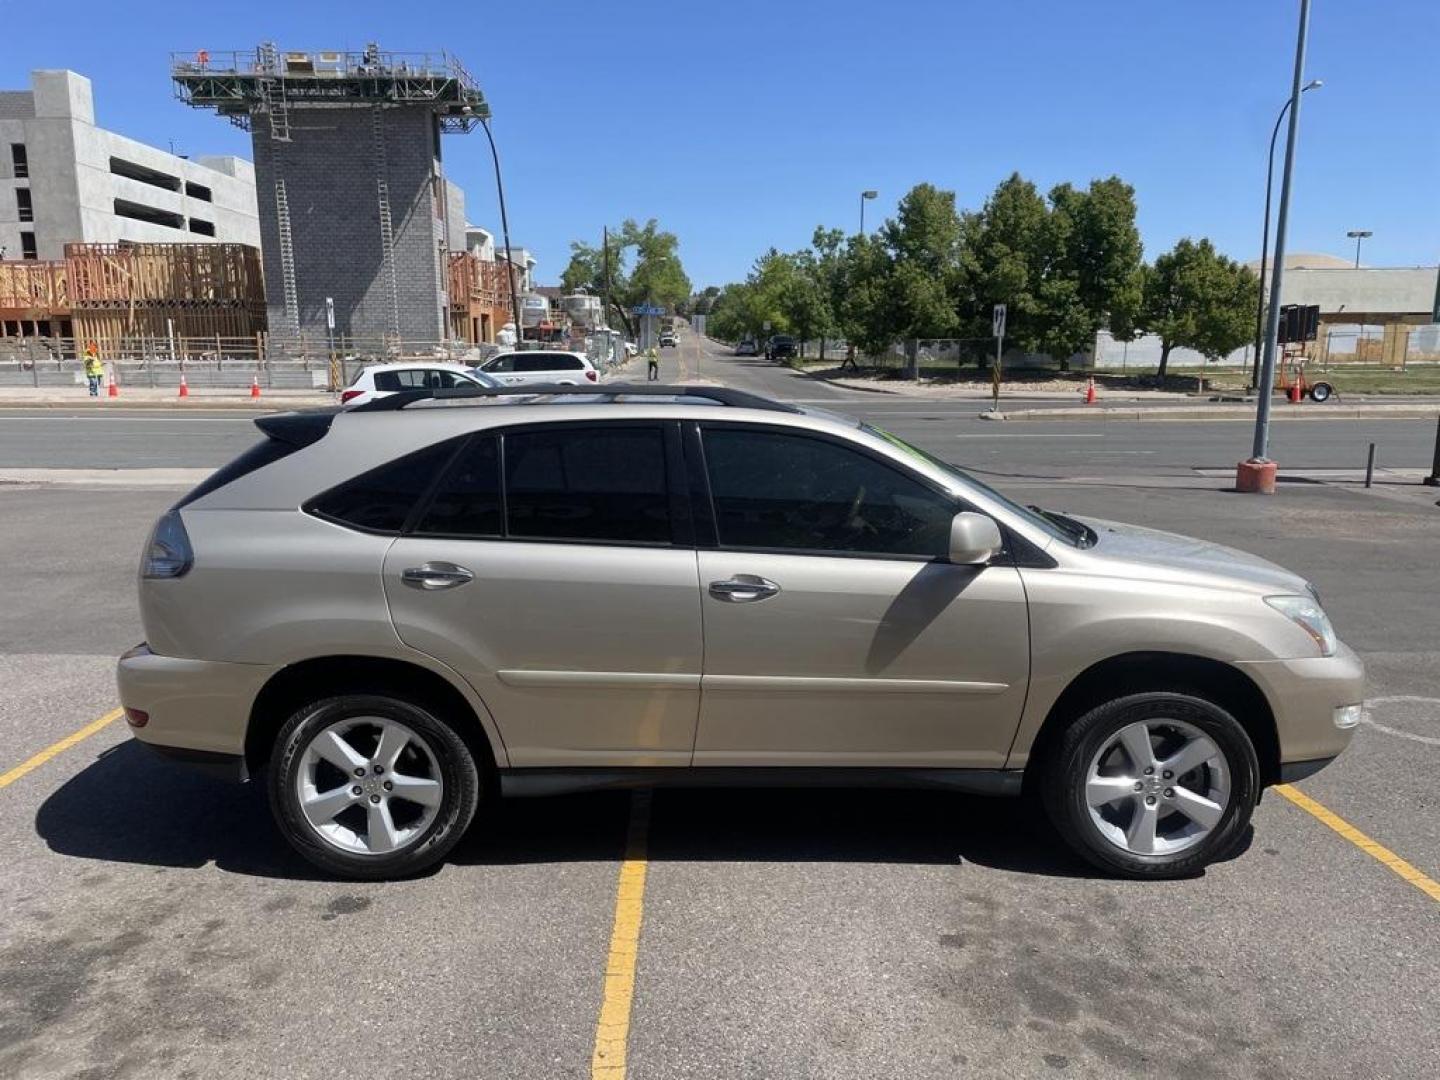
<point>184,387</point>
<point>1090,391</point>
<point>114,390</point>
<point>1294,393</point>
<point>254,386</point>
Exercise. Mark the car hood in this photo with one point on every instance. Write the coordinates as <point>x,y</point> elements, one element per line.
<point>1185,555</point>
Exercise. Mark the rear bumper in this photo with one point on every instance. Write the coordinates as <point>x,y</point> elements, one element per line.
<point>198,709</point>
<point>1304,695</point>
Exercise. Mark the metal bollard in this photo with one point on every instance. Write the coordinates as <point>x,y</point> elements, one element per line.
<point>1370,466</point>
<point>1433,480</point>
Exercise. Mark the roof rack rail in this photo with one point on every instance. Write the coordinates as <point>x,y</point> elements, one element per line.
<point>721,395</point>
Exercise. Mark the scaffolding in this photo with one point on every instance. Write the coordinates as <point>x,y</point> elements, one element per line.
<point>268,82</point>
<point>110,292</point>
<point>283,98</point>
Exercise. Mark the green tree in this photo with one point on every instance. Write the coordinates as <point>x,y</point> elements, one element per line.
<point>1196,298</point>
<point>1065,265</point>
<point>1092,266</point>
<point>1002,261</point>
<point>923,242</point>
<point>654,274</point>
<point>867,317</point>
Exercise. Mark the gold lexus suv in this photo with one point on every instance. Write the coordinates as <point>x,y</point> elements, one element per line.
<point>396,611</point>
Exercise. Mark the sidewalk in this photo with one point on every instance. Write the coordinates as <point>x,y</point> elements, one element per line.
<point>52,397</point>
<point>981,391</point>
<point>1213,411</point>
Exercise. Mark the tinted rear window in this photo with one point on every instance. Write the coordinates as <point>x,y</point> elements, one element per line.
<point>467,502</point>
<point>381,500</point>
<point>548,362</point>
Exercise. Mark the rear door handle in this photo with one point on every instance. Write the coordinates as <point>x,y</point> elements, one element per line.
<point>436,575</point>
<point>743,589</point>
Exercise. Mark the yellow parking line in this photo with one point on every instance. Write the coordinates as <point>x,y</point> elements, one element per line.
<point>612,1031</point>
<point>6,779</point>
<point>1429,886</point>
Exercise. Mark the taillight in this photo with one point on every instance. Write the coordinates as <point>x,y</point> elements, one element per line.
<point>168,555</point>
<point>592,376</point>
<point>137,717</point>
<point>349,395</point>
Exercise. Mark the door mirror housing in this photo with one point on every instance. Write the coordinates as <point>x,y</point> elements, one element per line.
<point>974,538</point>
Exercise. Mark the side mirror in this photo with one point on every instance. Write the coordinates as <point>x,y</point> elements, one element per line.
<point>974,538</point>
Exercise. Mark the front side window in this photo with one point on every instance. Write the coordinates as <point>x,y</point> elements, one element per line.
<point>381,500</point>
<point>588,483</point>
<point>502,364</point>
<point>777,491</point>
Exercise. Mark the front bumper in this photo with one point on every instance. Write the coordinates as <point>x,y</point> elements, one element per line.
<point>198,710</point>
<point>1304,696</point>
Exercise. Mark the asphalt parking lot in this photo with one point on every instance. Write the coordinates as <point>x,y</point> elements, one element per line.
<point>156,925</point>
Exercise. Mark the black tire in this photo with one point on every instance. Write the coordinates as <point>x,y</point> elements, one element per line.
<point>457,770</point>
<point>1063,781</point>
<point>1321,391</point>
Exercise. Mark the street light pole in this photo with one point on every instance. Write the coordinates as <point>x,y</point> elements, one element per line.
<point>1358,235</point>
<point>505,229</point>
<point>1261,445</point>
<point>864,195</point>
<point>1313,84</point>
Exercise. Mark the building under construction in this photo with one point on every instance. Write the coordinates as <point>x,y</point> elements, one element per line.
<point>354,214</point>
<point>121,294</point>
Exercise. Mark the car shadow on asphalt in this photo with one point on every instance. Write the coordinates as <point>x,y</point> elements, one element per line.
<point>795,825</point>
<point>132,807</point>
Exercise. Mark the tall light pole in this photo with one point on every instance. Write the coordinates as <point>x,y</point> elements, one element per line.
<point>1358,235</point>
<point>1258,474</point>
<point>865,195</point>
<point>1313,84</point>
<point>505,229</point>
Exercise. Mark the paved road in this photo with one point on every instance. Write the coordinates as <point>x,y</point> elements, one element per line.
<point>156,927</point>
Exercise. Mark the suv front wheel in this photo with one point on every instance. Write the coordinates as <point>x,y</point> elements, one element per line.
<point>1153,785</point>
<point>369,786</point>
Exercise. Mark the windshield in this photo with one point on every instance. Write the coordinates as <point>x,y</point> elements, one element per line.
<point>1065,529</point>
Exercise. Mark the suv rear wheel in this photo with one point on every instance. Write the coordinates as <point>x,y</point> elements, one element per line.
<point>369,786</point>
<point>1152,785</point>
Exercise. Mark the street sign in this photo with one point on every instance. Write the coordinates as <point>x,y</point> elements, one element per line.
<point>767,326</point>
<point>330,313</point>
<point>647,309</point>
<point>997,321</point>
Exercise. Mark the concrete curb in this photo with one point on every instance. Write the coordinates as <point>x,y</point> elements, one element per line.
<point>192,404</point>
<point>181,478</point>
<point>1222,412</point>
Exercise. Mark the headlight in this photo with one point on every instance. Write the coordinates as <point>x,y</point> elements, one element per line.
<point>1306,613</point>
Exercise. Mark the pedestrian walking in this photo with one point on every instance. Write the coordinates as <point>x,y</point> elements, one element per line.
<point>94,368</point>
<point>652,361</point>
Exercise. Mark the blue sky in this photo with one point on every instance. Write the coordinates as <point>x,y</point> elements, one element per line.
<point>742,124</point>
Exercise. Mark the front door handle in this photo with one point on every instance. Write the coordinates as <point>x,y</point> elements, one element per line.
<point>435,575</point>
<point>743,589</point>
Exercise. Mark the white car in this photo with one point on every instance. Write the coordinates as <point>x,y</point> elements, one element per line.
<point>382,380</point>
<point>531,366</point>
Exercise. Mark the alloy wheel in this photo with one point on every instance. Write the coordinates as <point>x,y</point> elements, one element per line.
<point>369,785</point>
<point>1157,787</point>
